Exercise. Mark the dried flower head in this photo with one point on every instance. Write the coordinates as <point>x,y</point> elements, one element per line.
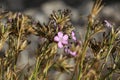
<point>95,10</point>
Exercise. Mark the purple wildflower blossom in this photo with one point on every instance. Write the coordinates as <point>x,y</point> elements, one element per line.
<point>73,36</point>
<point>61,39</point>
<point>67,50</point>
<point>107,24</point>
<point>73,53</point>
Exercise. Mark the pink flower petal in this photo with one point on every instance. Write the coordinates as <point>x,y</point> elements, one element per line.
<point>74,38</point>
<point>60,45</point>
<point>73,53</point>
<point>107,23</point>
<point>60,34</point>
<point>66,50</point>
<point>73,33</point>
<point>69,50</point>
<point>65,37</point>
<point>56,38</point>
<point>64,42</point>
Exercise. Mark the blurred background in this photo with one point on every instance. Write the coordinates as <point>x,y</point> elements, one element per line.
<point>80,9</point>
<point>41,9</point>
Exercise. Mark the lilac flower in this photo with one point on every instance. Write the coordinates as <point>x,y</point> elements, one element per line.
<point>67,50</point>
<point>72,53</point>
<point>73,36</point>
<point>107,24</point>
<point>61,39</point>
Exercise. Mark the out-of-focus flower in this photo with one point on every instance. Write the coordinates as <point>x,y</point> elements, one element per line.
<point>61,39</point>
<point>107,24</point>
<point>73,36</point>
<point>72,53</point>
<point>67,50</point>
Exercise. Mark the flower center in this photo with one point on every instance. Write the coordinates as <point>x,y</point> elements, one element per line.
<point>61,39</point>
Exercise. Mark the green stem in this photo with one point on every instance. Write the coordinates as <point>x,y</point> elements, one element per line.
<point>84,51</point>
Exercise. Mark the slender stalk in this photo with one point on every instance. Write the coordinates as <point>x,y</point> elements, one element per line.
<point>109,49</point>
<point>84,51</point>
